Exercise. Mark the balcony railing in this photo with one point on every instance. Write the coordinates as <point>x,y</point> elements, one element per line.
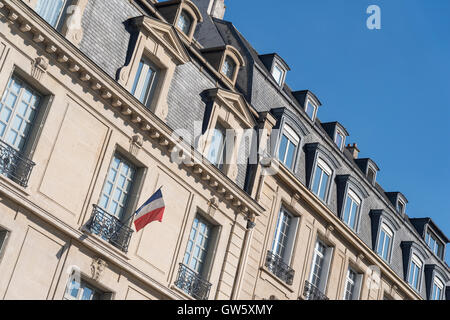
<point>191,283</point>
<point>110,228</point>
<point>14,166</point>
<point>278,267</point>
<point>311,292</point>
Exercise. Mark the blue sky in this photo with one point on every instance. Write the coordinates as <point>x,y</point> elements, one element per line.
<point>390,88</point>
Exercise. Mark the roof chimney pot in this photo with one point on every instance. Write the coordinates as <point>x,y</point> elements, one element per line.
<point>353,150</point>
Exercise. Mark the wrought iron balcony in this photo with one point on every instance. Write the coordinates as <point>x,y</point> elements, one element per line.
<point>278,267</point>
<point>110,228</point>
<point>191,283</point>
<point>14,166</point>
<point>311,292</point>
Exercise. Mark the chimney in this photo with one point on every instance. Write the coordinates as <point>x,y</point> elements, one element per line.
<point>353,150</point>
<point>217,8</point>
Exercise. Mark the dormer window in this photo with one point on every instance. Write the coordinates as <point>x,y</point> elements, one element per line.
<point>371,174</point>
<point>352,208</point>
<point>400,207</point>
<point>321,179</point>
<point>145,81</point>
<point>288,147</point>
<point>185,22</point>
<point>217,149</point>
<point>339,140</point>
<point>310,110</point>
<point>438,289</point>
<point>229,67</point>
<point>434,244</point>
<point>278,74</point>
<point>415,272</point>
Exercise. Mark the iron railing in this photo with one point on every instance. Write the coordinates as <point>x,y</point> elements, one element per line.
<point>14,166</point>
<point>311,292</point>
<point>278,267</point>
<point>190,282</point>
<point>110,228</point>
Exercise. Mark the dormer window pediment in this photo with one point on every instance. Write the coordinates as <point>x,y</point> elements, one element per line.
<point>309,102</point>
<point>226,60</point>
<point>337,132</point>
<point>369,168</point>
<point>182,14</point>
<point>399,201</point>
<point>277,67</point>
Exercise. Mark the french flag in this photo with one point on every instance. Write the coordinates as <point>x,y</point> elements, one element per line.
<point>151,210</point>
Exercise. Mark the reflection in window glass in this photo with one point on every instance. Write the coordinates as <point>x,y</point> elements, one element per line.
<point>184,22</point>
<point>50,10</point>
<point>229,67</point>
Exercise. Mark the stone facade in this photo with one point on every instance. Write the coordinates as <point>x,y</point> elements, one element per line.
<point>54,230</point>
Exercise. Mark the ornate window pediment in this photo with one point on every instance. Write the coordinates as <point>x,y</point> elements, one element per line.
<point>226,60</point>
<point>159,44</point>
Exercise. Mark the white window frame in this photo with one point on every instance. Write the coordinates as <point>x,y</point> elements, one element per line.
<point>438,248</point>
<point>289,237</point>
<point>185,13</point>
<point>81,287</point>
<point>389,232</point>
<point>294,139</point>
<point>356,200</point>
<point>144,93</point>
<point>402,204</point>
<point>356,284</point>
<point>415,260</point>
<point>339,133</point>
<point>438,283</point>
<point>325,169</point>
<point>222,148</point>
<point>309,102</point>
<point>325,268</point>
<point>278,67</point>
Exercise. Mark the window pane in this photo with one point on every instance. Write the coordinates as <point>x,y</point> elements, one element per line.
<point>217,146</point>
<point>283,148</point>
<point>290,155</point>
<point>197,248</point>
<point>229,67</point>
<point>50,10</point>
<point>323,186</point>
<point>310,110</point>
<point>317,178</point>
<point>144,82</point>
<point>277,74</point>
<point>184,22</point>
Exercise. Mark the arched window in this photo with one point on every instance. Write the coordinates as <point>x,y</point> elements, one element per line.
<point>385,242</point>
<point>352,207</point>
<point>185,22</point>
<point>321,180</point>
<point>415,272</point>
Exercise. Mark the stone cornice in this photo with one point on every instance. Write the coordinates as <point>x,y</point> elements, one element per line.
<point>122,102</point>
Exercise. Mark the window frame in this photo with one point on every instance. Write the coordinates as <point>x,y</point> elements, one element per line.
<point>139,81</point>
<point>415,260</point>
<point>357,283</point>
<point>187,33</point>
<point>60,16</point>
<point>290,237</point>
<point>102,294</point>
<point>276,65</point>
<point>4,237</point>
<point>325,169</point>
<point>389,231</point>
<point>292,139</point>
<point>438,283</point>
<point>327,257</point>
<point>308,103</point>
<point>355,199</point>
<point>339,133</point>
<point>438,245</point>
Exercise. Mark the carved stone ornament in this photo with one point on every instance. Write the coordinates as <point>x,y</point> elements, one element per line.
<point>136,144</point>
<point>39,68</point>
<point>97,267</point>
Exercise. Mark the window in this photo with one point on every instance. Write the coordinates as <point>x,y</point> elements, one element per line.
<point>434,244</point>
<point>50,10</point>
<point>310,110</point>
<point>18,109</point>
<point>145,82</point>
<point>371,175</point>
<point>117,187</point>
<point>198,246</point>
<point>438,289</point>
<point>229,67</point>
<point>400,207</point>
<point>415,270</point>
<point>339,140</point>
<point>185,22</point>
<point>3,235</point>
<point>351,212</point>
<point>385,242</point>
<point>283,240</point>
<point>278,74</point>
<point>321,178</point>
<point>320,266</point>
<point>217,148</point>
<point>352,286</point>
<point>288,147</point>
<point>83,291</point>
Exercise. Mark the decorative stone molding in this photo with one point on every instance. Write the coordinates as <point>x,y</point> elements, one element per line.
<point>39,68</point>
<point>213,205</point>
<point>136,144</point>
<point>97,267</point>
